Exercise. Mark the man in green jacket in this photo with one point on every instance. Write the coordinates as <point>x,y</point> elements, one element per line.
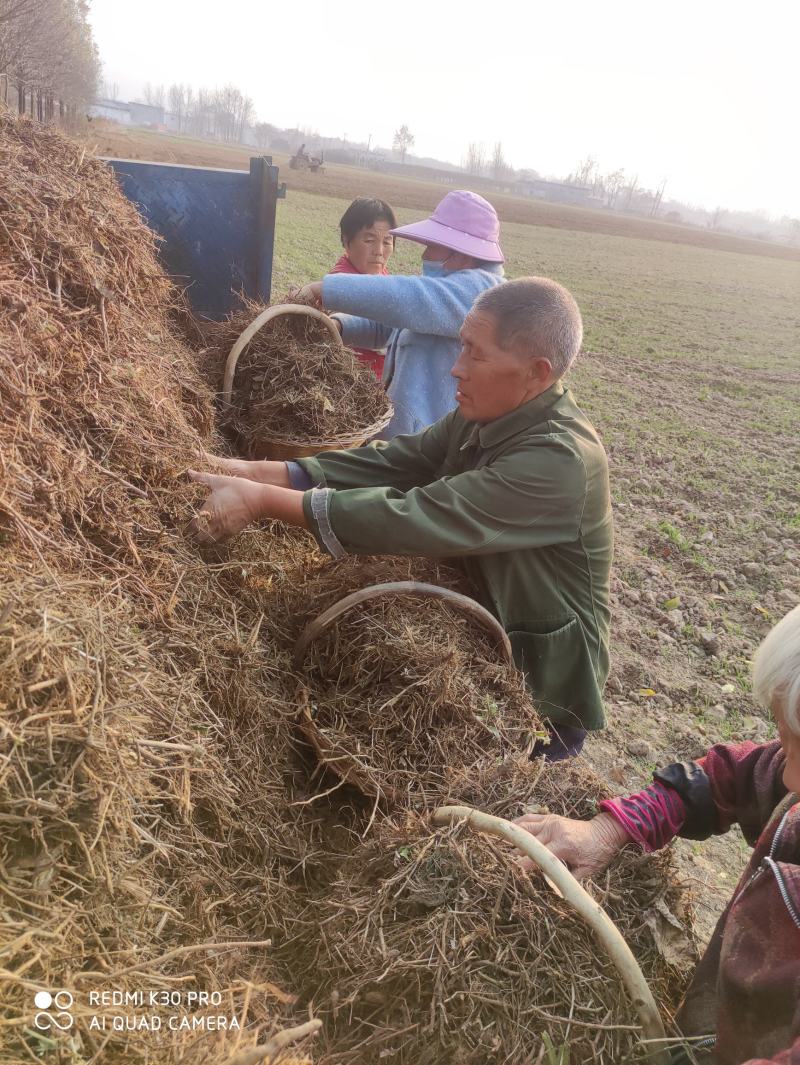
<point>514,483</point>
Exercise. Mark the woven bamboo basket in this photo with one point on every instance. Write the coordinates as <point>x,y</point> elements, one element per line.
<point>349,770</point>
<point>283,448</point>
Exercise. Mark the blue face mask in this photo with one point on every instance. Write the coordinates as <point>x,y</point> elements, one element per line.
<point>432,269</point>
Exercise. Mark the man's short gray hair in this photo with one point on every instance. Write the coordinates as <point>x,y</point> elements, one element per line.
<point>537,317</point>
<point>776,670</point>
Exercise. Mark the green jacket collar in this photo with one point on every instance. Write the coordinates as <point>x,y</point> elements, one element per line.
<point>529,414</point>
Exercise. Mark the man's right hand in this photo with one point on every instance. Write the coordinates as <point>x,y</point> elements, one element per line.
<point>232,505</point>
<point>585,847</point>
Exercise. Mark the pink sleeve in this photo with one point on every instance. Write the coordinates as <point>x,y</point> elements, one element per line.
<point>651,818</point>
<point>789,1056</point>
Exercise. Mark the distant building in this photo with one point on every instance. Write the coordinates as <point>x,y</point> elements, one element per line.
<point>113,110</point>
<point>557,192</point>
<point>146,114</point>
<point>128,114</point>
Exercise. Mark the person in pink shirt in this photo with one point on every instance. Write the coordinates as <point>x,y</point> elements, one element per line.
<point>366,229</point>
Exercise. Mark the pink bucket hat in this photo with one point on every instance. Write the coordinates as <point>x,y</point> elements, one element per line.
<point>464,222</point>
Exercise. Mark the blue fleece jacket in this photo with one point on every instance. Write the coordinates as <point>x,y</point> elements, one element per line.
<point>417,320</point>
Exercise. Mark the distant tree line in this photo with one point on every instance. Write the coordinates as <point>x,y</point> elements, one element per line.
<point>48,59</point>
<point>223,114</point>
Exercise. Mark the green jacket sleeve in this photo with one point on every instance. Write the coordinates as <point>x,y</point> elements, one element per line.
<point>532,497</point>
<point>402,463</point>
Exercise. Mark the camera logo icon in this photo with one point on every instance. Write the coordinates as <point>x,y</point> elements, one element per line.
<point>53,1011</point>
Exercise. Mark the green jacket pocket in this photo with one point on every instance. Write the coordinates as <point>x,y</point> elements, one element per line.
<point>553,655</point>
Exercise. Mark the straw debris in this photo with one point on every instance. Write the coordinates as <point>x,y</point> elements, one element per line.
<point>144,736</point>
<point>158,829</point>
<point>433,945</point>
<point>400,689</point>
<point>294,383</point>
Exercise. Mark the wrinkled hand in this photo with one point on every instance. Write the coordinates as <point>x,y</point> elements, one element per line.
<point>585,847</point>
<point>233,504</point>
<point>262,471</point>
<point>310,294</point>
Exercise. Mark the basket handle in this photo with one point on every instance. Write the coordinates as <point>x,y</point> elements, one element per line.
<point>266,316</point>
<point>272,1052</point>
<point>610,937</point>
<point>316,627</point>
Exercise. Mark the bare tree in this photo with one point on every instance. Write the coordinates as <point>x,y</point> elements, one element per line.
<point>585,172</point>
<point>630,191</point>
<point>499,165</point>
<point>659,196</point>
<point>177,104</point>
<point>231,112</point>
<point>47,52</point>
<point>190,110</point>
<point>154,95</point>
<point>263,134</point>
<point>403,140</point>
<point>475,161</point>
<point>612,183</point>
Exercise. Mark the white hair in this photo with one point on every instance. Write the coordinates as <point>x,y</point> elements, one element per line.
<point>776,670</point>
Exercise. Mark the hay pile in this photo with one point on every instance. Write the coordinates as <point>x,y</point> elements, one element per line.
<point>402,688</point>
<point>433,946</point>
<point>144,739</point>
<point>293,383</point>
<point>419,945</point>
<point>156,825</point>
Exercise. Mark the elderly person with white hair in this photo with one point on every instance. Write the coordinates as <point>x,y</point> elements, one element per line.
<point>743,1005</point>
<point>514,484</point>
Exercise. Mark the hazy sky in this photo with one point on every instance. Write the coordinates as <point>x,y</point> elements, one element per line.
<point>700,92</point>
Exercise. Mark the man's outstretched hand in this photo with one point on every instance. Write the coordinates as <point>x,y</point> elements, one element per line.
<point>263,471</point>
<point>585,847</point>
<point>233,504</point>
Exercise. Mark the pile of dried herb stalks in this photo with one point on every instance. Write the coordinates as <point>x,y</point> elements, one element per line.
<point>402,688</point>
<point>433,945</point>
<point>158,827</point>
<point>142,751</point>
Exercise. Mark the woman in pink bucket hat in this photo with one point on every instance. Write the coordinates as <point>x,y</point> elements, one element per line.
<point>417,319</point>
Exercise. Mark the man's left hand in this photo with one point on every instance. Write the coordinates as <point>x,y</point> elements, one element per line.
<point>233,504</point>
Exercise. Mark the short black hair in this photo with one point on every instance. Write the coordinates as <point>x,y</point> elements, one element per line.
<point>363,213</point>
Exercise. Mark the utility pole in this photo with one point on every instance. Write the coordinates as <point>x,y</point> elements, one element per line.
<point>369,141</point>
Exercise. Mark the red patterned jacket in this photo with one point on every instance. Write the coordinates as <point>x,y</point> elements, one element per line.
<point>745,994</point>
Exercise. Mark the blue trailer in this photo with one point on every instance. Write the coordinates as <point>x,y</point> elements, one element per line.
<point>217,226</point>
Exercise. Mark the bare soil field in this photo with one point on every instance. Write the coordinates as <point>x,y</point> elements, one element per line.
<point>345,181</point>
